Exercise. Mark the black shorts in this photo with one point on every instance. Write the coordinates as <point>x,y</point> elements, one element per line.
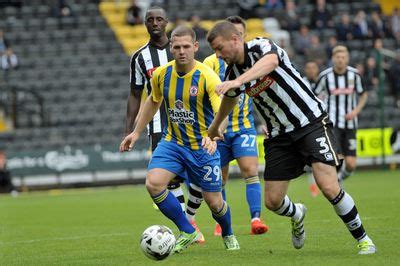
<point>287,154</point>
<point>154,140</point>
<point>347,141</point>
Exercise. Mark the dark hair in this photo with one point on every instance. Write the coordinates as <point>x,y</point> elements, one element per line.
<point>224,29</point>
<point>236,20</point>
<point>156,8</point>
<point>183,30</point>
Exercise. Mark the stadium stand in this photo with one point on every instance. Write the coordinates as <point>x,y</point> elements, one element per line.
<point>77,69</point>
<point>73,78</point>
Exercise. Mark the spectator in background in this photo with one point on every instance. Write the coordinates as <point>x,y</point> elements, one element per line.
<point>321,17</point>
<point>395,24</point>
<point>361,29</point>
<point>377,26</point>
<point>289,19</point>
<point>332,42</point>
<point>177,22</point>
<point>272,5</point>
<point>133,14</point>
<point>394,78</point>
<point>316,52</point>
<point>344,30</point>
<point>201,32</point>
<point>62,9</point>
<point>9,60</point>
<point>247,8</point>
<point>371,74</point>
<point>303,41</point>
<point>376,53</point>
<point>3,43</point>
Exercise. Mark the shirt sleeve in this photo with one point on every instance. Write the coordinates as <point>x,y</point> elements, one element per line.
<point>137,77</point>
<point>263,46</point>
<point>156,90</point>
<point>217,65</point>
<point>209,62</point>
<point>359,84</point>
<point>212,80</point>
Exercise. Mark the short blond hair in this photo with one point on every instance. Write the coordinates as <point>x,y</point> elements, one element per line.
<point>339,49</point>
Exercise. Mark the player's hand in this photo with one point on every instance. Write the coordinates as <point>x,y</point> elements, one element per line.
<point>227,85</point>
<point>265,131</point>
<point>351,115</point>
<point>128,142</point>
<point>215,133</point>
<point>209,145</point>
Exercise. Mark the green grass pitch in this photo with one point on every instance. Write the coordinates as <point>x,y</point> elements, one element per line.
<point>103,226</point>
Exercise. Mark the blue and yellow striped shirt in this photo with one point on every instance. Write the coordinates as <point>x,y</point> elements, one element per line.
<point>190,102</point>
<point>241,117</point>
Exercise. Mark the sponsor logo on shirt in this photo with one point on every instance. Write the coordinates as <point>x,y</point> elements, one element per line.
<point>344,91</point>
<point>180,115</point>
<point>260,86</point>
<point>193,91</point>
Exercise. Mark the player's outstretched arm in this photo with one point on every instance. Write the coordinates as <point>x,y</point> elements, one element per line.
<point>227,105</point>
<point>261,68</point>
<point>149,110</point>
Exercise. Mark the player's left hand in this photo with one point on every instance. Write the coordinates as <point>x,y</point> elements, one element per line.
<point>351,115</point>
<point>209,145</point>
<point>215,133</point>
<point>227,85</point>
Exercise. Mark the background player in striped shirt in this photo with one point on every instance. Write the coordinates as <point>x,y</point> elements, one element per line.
<point>311,72</point>
<point>345,97</point>
<point>187,88</point>
<point>299,129</point>
<point>239,143</point>
<point>143,63</point>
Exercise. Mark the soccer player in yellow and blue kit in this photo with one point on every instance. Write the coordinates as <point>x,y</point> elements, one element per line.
<point>239,143</point>
<point>187,88</point>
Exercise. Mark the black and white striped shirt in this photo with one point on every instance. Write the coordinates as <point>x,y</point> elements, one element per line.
<point>341,90</point>
<point>143,63</point>
<point>282,97</point>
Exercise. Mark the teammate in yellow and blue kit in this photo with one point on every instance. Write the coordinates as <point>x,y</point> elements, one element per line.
<point>240,143</point>
<point>187,88</point>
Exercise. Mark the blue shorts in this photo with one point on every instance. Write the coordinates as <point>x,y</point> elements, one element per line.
<point>202,169</point>
<point>238,144</point>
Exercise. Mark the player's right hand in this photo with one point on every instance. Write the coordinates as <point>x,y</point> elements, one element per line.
<point>128,142</point>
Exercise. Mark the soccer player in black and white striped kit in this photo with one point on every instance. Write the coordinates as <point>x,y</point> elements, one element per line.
<point>299,129</point>
<point>143,63</point>
<point>345,98</point>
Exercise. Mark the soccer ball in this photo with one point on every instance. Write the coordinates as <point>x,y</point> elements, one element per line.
<point>157,242</point>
